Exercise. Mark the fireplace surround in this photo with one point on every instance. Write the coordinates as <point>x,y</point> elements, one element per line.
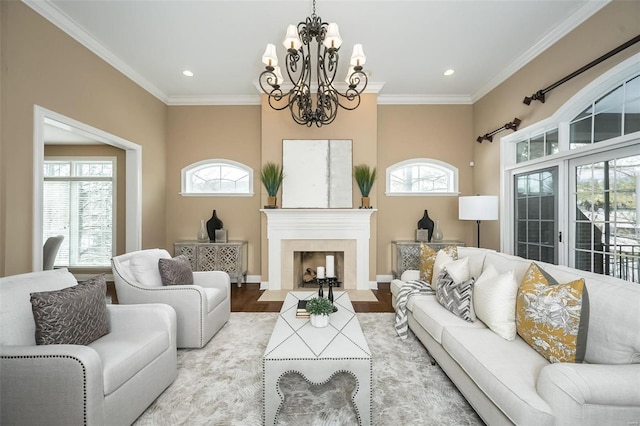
<point>340,230</point>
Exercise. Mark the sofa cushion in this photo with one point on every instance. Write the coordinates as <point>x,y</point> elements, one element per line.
<point>494,301</point>
<point>176,271</point>
<point>71,316</point>
<point>506,371</point>
<point>144,267</point>
<point>125,352</point>
<point>551,317</point>
<point>427,259</point>
<point>433,317</point>
<point>15,305</point>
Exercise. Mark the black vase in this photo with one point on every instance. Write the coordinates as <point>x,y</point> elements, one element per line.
<point>425,223</point>
<point>213,224</point>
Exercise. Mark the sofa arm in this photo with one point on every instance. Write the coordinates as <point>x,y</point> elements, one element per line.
<point>212,279</point>
<point>143,316</point>
<point>51,384</point>
<point>591,393</point>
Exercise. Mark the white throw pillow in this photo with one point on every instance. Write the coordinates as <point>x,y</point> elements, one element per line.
<point>442,259</point>
<point>494,301</point>
<point>458,270</point>
<point>145,269</point>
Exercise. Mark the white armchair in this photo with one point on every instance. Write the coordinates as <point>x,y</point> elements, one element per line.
<point>202,308</point>
<point>109,381</point>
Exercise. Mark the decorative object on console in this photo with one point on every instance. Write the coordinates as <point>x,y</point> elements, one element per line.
<point>71,316</point>
<point>365,177</point>
<point>272,176</point>
<point>203,235</point>
<point>213,224</point>
<point>319,310</point>
<point>299,99</point>
<point>437,232</point>
<point>427,224</point>
<point>551,317</point>
<point>221,235</point>
<point>478,207</point>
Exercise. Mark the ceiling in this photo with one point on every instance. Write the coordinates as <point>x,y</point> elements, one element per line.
<point>409,44</point>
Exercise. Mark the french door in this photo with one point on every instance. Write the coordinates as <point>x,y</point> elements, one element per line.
<point>604,221</point>
<point>536,215</point>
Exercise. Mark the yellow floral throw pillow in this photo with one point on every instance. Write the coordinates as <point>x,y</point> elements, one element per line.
<point>428,258</point>
<point>553,318</point>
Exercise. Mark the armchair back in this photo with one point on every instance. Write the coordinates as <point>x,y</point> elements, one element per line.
<point>17,326</point>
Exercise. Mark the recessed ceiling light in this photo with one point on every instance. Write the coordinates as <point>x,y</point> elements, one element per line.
<point>449,72</point>
<point>187,73</point>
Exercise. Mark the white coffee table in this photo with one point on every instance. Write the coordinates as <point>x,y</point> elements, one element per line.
<point>317,354</point>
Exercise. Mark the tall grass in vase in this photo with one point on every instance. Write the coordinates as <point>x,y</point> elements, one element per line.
<point>365,177</point>
<point>272,176</point>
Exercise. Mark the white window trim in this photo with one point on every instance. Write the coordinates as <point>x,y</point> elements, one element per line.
<point>428,161</point>
<point>114,195</point>
<point>187,169</point>
<point>560,120</point>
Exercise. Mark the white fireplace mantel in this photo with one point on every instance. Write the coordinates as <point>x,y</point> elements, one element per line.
<point>318,224</point>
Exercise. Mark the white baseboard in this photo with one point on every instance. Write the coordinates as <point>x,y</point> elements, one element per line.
<point>384,278</point>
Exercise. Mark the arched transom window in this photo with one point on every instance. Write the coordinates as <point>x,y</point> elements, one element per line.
<point>422,176</point>
<point>217,177</point>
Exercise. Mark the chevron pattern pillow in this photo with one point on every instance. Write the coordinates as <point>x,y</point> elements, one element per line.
<point>72,316</point>
<point>456,297</point>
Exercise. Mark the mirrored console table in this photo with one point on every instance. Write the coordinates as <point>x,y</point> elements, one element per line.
<point>230,257</point>
<point>405,255</point>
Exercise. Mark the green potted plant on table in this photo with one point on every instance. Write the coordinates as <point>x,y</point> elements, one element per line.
<point>319,309</point>
<point>272,177</point>
<point>365,177</point>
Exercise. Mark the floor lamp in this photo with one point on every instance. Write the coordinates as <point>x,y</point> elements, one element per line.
<point>478,207</point>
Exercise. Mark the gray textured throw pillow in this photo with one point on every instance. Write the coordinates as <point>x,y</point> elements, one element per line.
<point>72,316</point>
<point>456,297</point>
<point>176,271</point>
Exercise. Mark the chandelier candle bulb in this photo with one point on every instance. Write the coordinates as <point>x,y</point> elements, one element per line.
<point>320,272</point>
<point>358,57</point>
<point>269,57</point>
<point>331,273</point>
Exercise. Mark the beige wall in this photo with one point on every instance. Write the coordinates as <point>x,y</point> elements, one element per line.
<point>615,24</point>
<point>196,133</point>
<point>439,132</point>
<point>43,66</point>
<point>121,163</point>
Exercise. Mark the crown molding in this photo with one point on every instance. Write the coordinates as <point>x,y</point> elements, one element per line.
<point>424,100</point>
<point>587,10</point>
<point>51,13</point>
<point>214,100</point>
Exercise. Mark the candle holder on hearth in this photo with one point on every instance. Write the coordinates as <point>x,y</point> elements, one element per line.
<point>332,282</point>
<point>321,283</point>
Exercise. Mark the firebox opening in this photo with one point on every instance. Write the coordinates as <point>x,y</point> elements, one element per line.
<point>306,264</point>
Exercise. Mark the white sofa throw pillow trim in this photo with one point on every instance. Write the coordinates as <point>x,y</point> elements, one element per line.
<point>494,301</point>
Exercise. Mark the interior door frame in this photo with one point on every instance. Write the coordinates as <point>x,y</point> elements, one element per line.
<point>133,177</point>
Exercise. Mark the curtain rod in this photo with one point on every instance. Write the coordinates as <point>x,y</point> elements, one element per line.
<point>540,94</point>
<point>512,125</point>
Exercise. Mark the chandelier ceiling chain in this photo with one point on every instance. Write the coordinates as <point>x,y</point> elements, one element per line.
<point>299,99</point>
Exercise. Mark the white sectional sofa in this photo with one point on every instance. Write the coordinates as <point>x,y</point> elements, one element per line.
<point>508,382</point>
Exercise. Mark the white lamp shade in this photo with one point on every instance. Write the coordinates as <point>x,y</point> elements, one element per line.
<point>332,38</point>
<point>357,57</point>
<point>269,57</point>
<point>292,38</point>
<point>478,207</point>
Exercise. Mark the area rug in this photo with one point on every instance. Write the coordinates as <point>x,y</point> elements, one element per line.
<point>354,295</point>
<point>221,384</point>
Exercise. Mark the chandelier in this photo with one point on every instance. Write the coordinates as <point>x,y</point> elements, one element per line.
<point>299,41</point>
